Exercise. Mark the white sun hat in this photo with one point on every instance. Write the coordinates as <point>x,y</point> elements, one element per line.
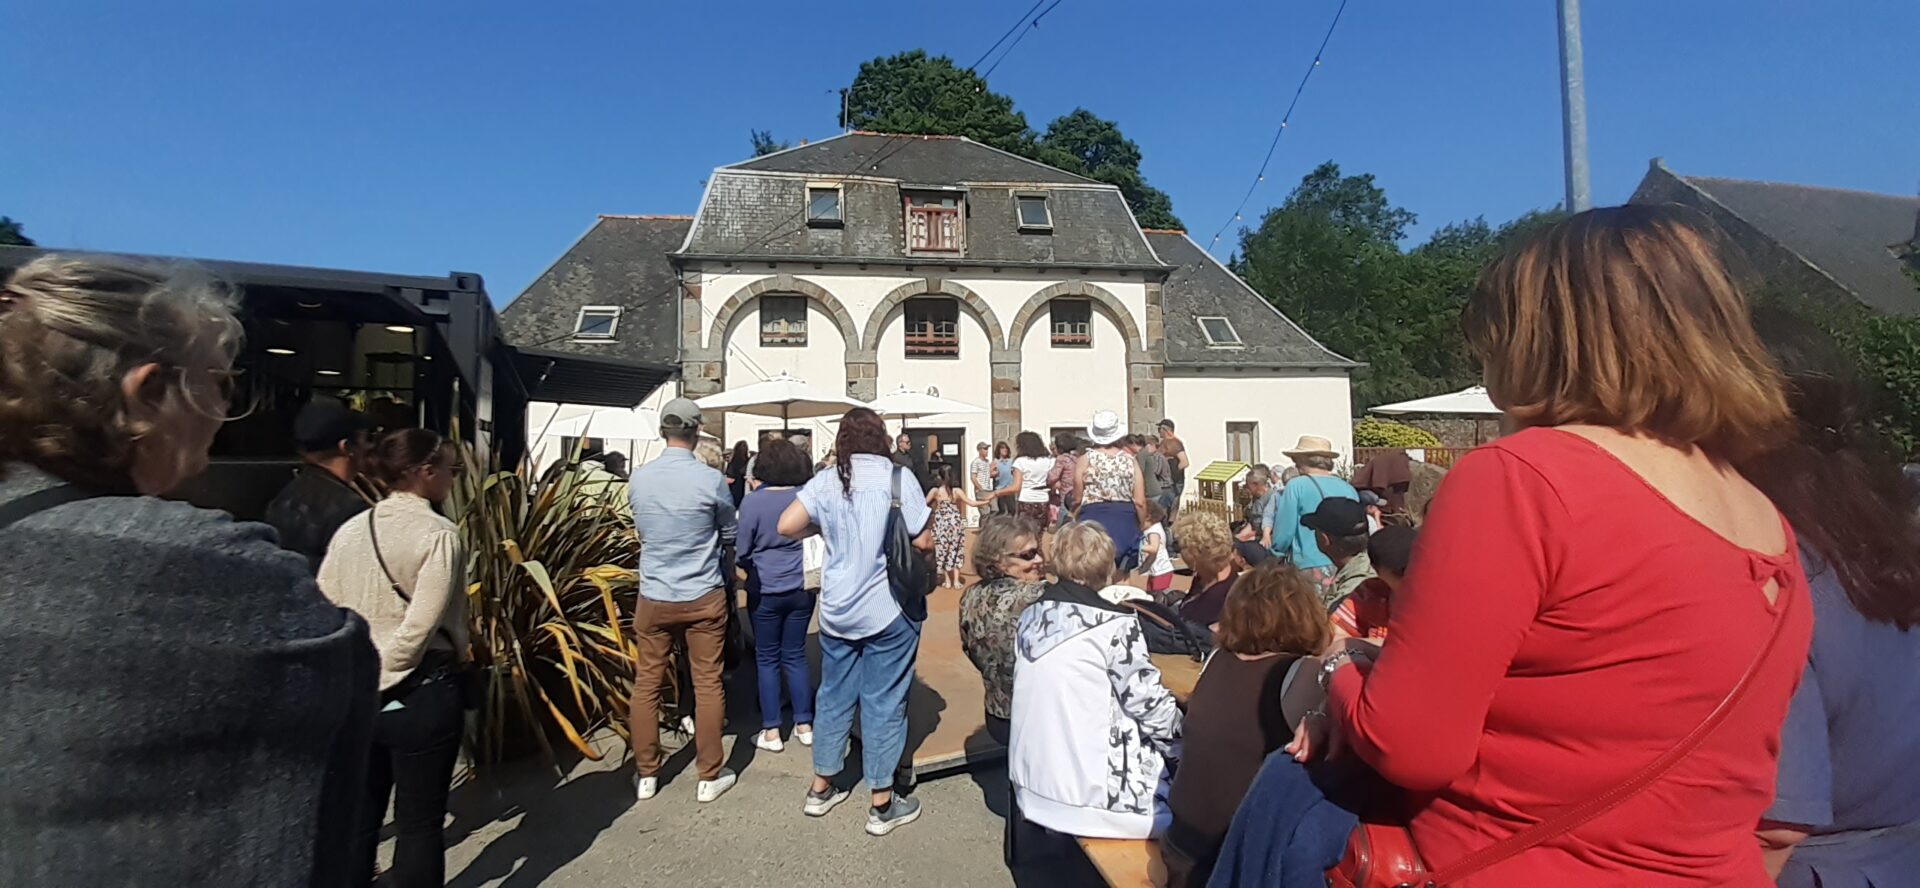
<point>1105,428</point>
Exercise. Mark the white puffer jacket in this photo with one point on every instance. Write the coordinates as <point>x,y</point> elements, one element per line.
<point>1093,727</point>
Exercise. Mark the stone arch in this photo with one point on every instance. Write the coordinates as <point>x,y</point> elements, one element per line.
<point>1114,308</point>
<point>932,286</point>
<point>780,283</point>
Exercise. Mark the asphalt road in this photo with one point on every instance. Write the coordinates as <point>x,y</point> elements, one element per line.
<point>530,827</point>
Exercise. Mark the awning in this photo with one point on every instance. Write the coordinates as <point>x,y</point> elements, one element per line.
<point>1221,470</point>
<point>566,378</point>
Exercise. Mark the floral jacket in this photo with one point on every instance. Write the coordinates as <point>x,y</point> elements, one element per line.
<point>989,620</point>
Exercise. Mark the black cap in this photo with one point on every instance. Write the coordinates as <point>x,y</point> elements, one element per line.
<point>1254,553</point>
<point>324,423</point>
<point>1338,516</point>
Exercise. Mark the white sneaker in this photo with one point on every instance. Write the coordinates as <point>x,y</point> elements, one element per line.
<point>770,744</point>
<point>686,725</point>
<point>645,788</point>
<point>806,739</point>
<point>717,787</point>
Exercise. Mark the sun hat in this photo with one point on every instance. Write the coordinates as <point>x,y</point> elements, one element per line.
<point>1313,445</point>
<point>1105,428</point>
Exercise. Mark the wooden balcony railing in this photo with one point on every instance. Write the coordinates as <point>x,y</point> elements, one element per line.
<point>933,339</point>
<point>933,229</point>
<point>1072,334</point>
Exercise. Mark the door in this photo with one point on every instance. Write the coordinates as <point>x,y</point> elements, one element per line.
<point>949,449</point>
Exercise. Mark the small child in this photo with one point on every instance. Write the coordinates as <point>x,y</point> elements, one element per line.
<point>1155,562</point>
<point>1364,613</point>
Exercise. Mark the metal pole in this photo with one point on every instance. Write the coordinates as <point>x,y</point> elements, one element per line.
<point>1573,108</point>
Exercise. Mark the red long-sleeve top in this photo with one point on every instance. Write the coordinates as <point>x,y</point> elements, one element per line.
<point>1562,625</point>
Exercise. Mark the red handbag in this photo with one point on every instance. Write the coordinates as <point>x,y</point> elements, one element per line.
<point>1382,855</point>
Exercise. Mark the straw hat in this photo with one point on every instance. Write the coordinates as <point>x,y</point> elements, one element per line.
<point>1312,445</point>
<point>1105,428</point>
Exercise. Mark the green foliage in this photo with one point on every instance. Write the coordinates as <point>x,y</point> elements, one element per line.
<point>550,596</point>
<point>912,92</point>
<point>1886,349</point>
<point>1375,432</point>
<point>764,143</point>
<point>1084,143</point>
<point>1330,258</point>
<point>13,234</point>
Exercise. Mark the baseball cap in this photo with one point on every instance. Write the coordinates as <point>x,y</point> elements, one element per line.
<point>1338,516</point>
<point>1254,553</point>
<point>324,422</point>
<point>1369,498</point>
<point>680,413</point>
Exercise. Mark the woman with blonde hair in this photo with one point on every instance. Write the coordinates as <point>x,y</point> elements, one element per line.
<point>1272,620</point>
<point>1610,554</point>
<point>401,566</point>
<point>182,705</point>
<point>1093,727</point>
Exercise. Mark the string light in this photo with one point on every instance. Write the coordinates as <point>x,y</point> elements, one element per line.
<point>1285,118</point>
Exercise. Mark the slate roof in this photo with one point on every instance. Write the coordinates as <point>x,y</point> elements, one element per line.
<point>621,260</point>
<point>1201,287</point>
<point>756,209</point>
<point>1847,235</point>
<point>921,160</point>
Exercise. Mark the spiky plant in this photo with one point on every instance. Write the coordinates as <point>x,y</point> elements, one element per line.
<point>551,588</point>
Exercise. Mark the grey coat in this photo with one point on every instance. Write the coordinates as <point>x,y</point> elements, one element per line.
<point>178,704</point>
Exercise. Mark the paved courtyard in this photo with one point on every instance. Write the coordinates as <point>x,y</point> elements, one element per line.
<point>528,827</point>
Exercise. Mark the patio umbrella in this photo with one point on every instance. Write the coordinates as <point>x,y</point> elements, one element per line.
<point>637,424</point>
<point>783,396</point>
<point>906,403</point>
<point>1466,402</point>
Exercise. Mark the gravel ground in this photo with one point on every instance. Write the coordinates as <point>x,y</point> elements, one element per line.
<point>530,827</point>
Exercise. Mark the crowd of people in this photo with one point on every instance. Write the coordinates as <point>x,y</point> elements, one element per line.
<point>1644,639</point>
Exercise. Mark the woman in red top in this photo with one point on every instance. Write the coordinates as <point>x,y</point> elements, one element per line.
<point>1586,591</point>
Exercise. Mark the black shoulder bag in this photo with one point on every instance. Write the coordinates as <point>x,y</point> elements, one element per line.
<point>908,573</point>
<point>434,665</point>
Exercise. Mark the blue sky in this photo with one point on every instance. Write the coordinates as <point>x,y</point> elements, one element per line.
<point>424,137</point>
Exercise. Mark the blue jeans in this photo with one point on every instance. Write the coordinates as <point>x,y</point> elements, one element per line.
<point>780,651</point>
<point>876,673</point>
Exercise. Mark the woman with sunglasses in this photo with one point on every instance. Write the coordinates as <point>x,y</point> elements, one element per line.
<point>1013,573</point>
<point>182,707</point>
<point>401,566</point>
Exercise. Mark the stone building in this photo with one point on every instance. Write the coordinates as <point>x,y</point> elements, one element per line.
<point>867,262</point>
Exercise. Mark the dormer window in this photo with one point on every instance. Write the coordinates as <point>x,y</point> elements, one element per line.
<point>1033,211</point>
<point>823,205</point>
<point>597,322</point>
<point>1219,333</point>
<point>934,223</point>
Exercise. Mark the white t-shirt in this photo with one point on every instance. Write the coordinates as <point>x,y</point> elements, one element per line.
<point>1162,562</point>
<point>1033,477</point>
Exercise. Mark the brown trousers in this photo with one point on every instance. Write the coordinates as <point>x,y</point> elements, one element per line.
<point>702,622</point>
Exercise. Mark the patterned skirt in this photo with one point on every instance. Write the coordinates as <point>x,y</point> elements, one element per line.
<point>949,537</point>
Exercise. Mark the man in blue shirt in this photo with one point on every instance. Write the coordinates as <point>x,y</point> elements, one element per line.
<point>683,514</point>
<point>1282,532</point>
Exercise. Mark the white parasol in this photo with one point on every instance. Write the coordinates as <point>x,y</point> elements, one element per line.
<point>783,396</point>
<point>905,403</point>
<point>1466,402</point>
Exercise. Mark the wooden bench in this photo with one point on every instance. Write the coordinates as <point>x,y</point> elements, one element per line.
<point>1126,863</point>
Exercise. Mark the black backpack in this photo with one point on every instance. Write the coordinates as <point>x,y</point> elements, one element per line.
<point>908,572</point>
<point>1168,633</point>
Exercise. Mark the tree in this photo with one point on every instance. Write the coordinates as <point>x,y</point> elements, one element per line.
<point>764,144</point>
<point>912,92</point>
<point>13,233</point>
<point>1084,143</point>
<point>1330,257</point>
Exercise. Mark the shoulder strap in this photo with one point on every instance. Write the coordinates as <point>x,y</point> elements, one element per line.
<point>1316,484</point>
<point>896,488</point>
<point>374,537</point>
<point>1579,815</point>
<point>40,501</point>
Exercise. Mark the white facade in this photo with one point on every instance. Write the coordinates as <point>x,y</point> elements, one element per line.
<point>1280,405</point>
